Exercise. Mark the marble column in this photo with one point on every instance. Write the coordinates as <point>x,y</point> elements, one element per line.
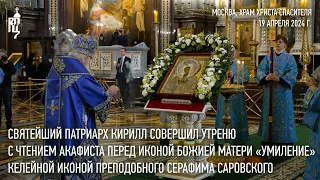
<point>165,24</point>
<point>264,32</point>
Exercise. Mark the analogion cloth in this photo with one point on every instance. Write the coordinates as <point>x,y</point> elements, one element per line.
<point>72,97</point>
<point>283,126</point>
<point>312,167</point>
<point>237,109</point>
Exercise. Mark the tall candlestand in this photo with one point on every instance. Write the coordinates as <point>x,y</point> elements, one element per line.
<point>253,45</point>
<point>305,58</point>
<point>156,37</point>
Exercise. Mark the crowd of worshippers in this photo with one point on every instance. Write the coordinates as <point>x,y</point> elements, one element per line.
<point>119,37</point>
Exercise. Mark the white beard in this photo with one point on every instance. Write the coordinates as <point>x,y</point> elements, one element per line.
<point>87,67</point>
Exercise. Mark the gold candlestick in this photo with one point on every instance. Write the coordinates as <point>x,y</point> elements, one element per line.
<point>227,81</point>
<point>253,45</point>
<point>305,58</point>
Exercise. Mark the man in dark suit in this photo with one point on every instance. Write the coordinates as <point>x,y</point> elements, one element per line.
<point>124,74</point>
<point>5,87</point>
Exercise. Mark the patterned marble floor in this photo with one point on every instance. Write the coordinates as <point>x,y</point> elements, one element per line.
<point>117,119</point>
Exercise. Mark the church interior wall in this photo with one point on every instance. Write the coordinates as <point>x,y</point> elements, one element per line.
<point>76,17</point>
<point>35,23</point>
<point>32,25</point>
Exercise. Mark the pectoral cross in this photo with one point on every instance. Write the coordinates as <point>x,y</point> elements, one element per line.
<point>52,107</point>
<point>88,31</point>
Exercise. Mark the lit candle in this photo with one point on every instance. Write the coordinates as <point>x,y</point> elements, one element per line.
<point>155,16</point>
<point>242,67</point>
<point>238,73</point>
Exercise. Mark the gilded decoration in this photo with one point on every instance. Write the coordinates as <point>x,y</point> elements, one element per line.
<point>15,57</point>
<point>53,108</point>
<point>59,65</point>
<point>69,81</point>
<point>165,24</point>
<point>175,101</point>
<point>53,21</point>
<point>103,109</point>
<point>186,73</point>
<point>184,31</point>
<point>244,34</point>
<point>195,46</point>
